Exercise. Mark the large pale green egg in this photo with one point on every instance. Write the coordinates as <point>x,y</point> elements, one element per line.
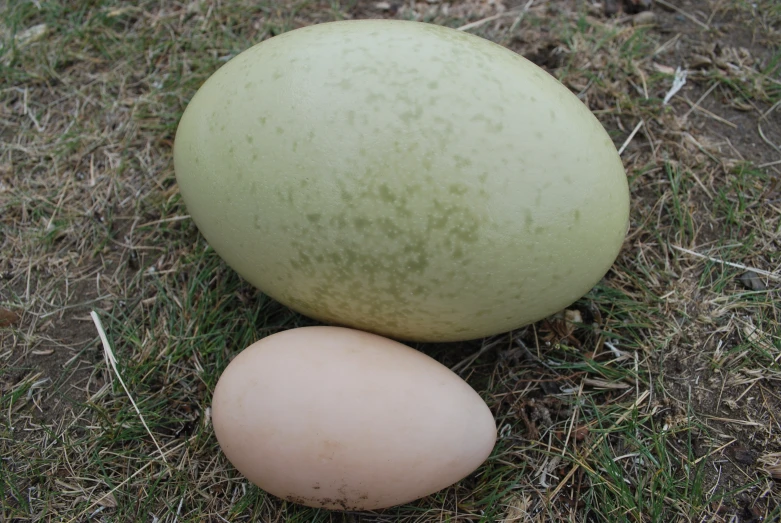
<point>402,178</point>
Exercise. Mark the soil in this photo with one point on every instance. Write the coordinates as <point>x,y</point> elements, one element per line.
<point>61,354</point>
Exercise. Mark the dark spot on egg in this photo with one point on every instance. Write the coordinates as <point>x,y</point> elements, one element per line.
<point>361,223</point>
<point>457,188</point>
<point>386,194</point>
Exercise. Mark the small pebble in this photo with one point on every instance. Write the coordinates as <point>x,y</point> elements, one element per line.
<point>752,281</point>
<point>8,318</point>
<point>644,18</point>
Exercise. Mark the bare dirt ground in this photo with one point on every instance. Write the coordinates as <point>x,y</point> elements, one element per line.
<point>654,398</point>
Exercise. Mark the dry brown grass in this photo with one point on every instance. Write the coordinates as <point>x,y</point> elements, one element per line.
<point>655,398</point>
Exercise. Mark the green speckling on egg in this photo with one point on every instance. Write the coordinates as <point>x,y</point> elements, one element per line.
<point>457,188</point>
<point>402,178</point>
<point>374,97</point>
<point>528,219</point>
<point>362,223</point>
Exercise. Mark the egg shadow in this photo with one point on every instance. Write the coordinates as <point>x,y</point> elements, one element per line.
<point>277,317</point>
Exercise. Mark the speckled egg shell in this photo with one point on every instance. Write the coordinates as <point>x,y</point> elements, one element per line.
<point>402,178</point>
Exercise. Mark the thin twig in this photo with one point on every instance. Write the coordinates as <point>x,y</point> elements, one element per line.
<point>470,359</point>
<point>665,45</point>
<point>29,274</point>
<point>735,421</point>
<point>573,420</point>
<point>762,135</point>
<point>59,204</point>
<point>697,178</point>
<point>478,23</point>
<point>773,108</point>
<point>179,509</point>
<point>74,306</point>
<point>631,135</point>
<point>165,220</point>
<point>520,16</point>
<point>708,113</point>
<point>770,275</point>
<point>640,73</point>
<point>714,451</point>
<point>734,149</point>
<point>683,13</point>
<point>702,98</point>
<point>112,360</point>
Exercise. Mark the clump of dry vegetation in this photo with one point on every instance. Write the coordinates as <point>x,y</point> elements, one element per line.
<point>654,398</point>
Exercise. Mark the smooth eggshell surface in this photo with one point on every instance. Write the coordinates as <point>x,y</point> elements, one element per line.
<point>342,419</point>
<point>402,178</point>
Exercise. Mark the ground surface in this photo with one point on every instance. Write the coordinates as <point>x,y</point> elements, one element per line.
<point>654,398</point>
